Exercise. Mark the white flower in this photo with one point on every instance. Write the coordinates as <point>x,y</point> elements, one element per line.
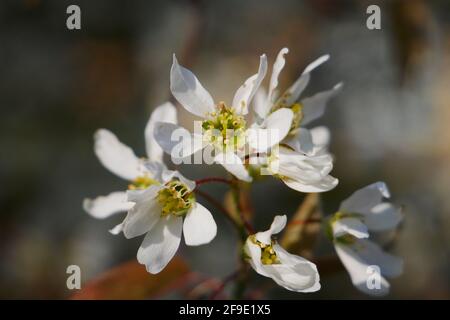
<point>157,199</point>
<point>269,259</point>
<point>301,161</point>
<point>163,212</point>
<point>304,111</point>
<point>301,172</point>
<point>362,212</point>
<point>223,127</point>
<point>122,161</point>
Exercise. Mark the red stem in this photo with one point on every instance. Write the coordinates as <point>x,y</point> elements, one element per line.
<point>218,205</point>
<point>225,281</point>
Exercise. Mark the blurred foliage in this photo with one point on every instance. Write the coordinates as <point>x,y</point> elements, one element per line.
<point>131,281</point>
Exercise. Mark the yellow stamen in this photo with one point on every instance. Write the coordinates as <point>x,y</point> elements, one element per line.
<point>175,198</point>
<point>225,129</point>
<point>142,182</point>
<point>268,255</point>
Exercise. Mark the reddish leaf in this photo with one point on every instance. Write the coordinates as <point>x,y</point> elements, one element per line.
<point>131,281</point>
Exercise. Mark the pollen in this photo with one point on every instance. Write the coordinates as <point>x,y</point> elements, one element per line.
<point>142,182</point>
<point>297,109</point>
<point>225,129</point>
<point>175,198</point>
<point>268,254</point>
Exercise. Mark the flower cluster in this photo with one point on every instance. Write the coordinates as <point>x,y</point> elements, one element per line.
<point>260,133</point>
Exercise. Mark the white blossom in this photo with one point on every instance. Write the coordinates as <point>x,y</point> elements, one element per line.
<point>362,212</point>
<point>301,172</point>
<point>123,162</point>
<point>269,259</point>
<point>160,202</point>
<point>223,127</point>
<point>164,211</point>
<point>304,110</point>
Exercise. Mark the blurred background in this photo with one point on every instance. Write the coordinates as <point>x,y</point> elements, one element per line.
<point>57,86</point>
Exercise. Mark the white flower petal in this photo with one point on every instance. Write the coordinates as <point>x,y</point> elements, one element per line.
<point>320,136</point>
<point>176,140</point>
<point>115,156</point>
<point>117,229</point>
<point>310,141</point>
<point>302,141</point>
<point>298,278</point>
<point>260,105</point>
<point>163,113</point>
<point>303,173</point>
<point>382,217</point>
<point>145,213</point>
<point>156,170</point>
<point>352,226</point>
<point>274,129</point>
<point>276,70</point>
<point>314,107</point>
<point>294,92</point>
<point>390,265</point>
<point>186,88</point>
<point>316,63</point>
<point>234,165</point>
<point>245,93</point>
<point>359,271</point>
<point>199,226</point>
<point>278,224</point>
<point>363,200</point>
<point>105,206</point>
<point>326,184</point>
<point>160,244</point>
<point>294,272</point>
<point>280,121</point>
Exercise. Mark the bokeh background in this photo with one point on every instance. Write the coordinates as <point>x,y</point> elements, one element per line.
<point>57,86</point>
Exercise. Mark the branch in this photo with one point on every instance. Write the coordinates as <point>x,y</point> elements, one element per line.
<point>225,281</point>
<point>219,206</point>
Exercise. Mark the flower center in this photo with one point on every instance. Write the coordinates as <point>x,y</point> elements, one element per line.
<point>142,182</point>
<point>268,255</point>
<point>225,129</point>
<point>297,109</point>
<point>346,239</point>
<point>175,198</point>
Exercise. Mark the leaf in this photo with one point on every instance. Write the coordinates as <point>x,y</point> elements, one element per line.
<point>303,228</point>
<point>130,281</point>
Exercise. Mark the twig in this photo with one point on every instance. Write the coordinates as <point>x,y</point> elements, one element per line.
<point>225,281</point>
<point>219,206</point>
<point>261,291</point>
<point>236,193</point>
